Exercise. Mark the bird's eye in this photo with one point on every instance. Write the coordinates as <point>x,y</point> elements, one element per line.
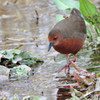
<point>55,38</point>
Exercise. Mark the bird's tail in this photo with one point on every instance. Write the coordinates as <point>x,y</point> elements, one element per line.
<point>75,11</point>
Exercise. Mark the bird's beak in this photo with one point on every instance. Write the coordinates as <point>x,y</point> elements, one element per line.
<point>50,45</point>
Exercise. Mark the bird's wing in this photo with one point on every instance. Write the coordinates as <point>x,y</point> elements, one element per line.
<point>71,27</point>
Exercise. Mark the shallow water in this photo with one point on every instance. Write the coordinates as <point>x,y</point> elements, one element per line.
<point>27,25</point>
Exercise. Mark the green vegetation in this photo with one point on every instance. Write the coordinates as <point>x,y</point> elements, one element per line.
<point>19,62</point>
<point>14,57</point>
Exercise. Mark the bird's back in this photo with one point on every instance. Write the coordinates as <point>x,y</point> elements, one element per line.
<point>71,27</point>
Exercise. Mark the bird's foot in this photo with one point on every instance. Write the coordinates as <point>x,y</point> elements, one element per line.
<point>65,67</point>
<point>61,69</point>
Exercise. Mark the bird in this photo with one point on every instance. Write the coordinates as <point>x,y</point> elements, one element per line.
<point>68,36</point>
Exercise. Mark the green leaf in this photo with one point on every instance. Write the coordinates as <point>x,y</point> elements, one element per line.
<point>16,51</point>
<point>16,59</point>
<point>66,4</point>
<point>28,62</point>
<point>93,69</point>
<point>36,58</point>
<point>71,3</point>
<point>20,72</point>
<point>89,12</point>
<point>2,51</point>
<point>24,55</point>
<point>59,17</point>
<point>87,8</point>
<point>8,56</point>
<point>21,69</point>
<point>43,98</point>
<point>36,98</point>
<point>60,5</point>
<point>28,98</point>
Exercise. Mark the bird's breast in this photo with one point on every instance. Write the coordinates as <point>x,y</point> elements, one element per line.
<point>71,45</point>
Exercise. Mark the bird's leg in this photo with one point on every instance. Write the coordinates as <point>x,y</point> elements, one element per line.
<point>66,66</point>
<point>74,58</point>
<point>61,69</point>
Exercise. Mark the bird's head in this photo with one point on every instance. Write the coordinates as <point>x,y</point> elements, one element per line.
<point>54,40</point>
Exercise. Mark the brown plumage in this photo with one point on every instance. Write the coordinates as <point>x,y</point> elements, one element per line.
<point>68,35</point>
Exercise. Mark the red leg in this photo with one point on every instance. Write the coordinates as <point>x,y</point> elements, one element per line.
<point>74,58</point>
<point>64,66</point>
<point>68,64</point>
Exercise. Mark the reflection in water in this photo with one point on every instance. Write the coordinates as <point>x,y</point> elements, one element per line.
<point>63,94</point>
